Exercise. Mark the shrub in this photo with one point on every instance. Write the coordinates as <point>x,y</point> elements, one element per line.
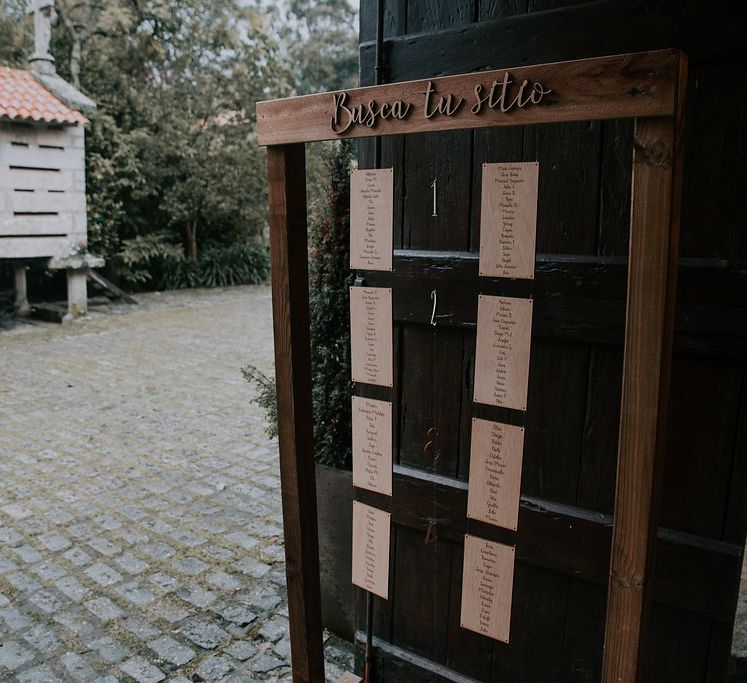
<point>329,280</point>
<point>266,397</point>
<point>155,259</point>
<point>143,255</point>
<point>238,264</point>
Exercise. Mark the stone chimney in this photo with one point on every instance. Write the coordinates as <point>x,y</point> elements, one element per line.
<point>42,62</point>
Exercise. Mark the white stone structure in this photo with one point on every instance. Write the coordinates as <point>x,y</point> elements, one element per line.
<point>42,169</point>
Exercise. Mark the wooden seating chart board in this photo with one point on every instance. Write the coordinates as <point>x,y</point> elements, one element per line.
<point>371,211</point>
<point>508,227</point>
<point>648,87</point>
<point>495,473</point>
<point>372,445</point>
<point>508,219</point>
<point>504,331</point>
<point>371,215</point>
<point>487,587</point>
<point>371,528</point>
<point>371,335</point>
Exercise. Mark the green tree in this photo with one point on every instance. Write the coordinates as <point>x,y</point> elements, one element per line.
<point>176,89</point>
<point>171,157</point>
<point>16,40</point>
<point>323,44</point>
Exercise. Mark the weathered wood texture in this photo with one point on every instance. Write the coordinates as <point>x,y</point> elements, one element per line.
<point>601,88</point>
<point>652,279</point>
<point>572,422</point>
<point>290,302</point>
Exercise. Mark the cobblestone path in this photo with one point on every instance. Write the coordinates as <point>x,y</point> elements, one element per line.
<point>140,522</point>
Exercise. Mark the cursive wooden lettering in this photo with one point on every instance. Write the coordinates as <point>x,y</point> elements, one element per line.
<point>446,105</point>
<point>500,96</point>
<point>344,116</point>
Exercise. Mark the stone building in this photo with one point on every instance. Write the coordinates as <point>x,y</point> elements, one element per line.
<point>42,169</point>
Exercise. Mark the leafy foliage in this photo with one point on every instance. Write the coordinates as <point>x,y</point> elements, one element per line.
<point>172,161</point>
<point>266,397</point>
<point>156,261</point>
<point>323,44</point>
<point>329,282</point>
<point>237,264</point>
<point>141,256</point>
<point>16,44</point>
<point>330,279</point>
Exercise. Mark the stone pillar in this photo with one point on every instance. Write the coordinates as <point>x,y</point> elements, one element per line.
<point>22,301</point>
<point>77,292</point>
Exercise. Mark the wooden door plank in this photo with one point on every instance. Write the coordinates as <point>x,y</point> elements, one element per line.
<point>430,15</point>
<point>692,573</point>
<point>652,279</point>
<point>703,32</point>
<point>567,211</point>
<point>427,158</point>
<point>676,647</point>
<point>583,634</point>
<point>537,623</point>
<point>597,468</point>
<point>290,307</point>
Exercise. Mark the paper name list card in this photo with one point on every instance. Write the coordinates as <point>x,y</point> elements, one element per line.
<point>508,219</point>
<point>487,587</point>
<point>496,454</point>
<point>372,445</point>
<point>371,549</point>
<point>371,335</point>
<point>504,335</point>
<point>371,218</point>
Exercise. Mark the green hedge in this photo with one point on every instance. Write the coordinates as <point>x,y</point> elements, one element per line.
<point>154,261</point>
<point>329,281</point>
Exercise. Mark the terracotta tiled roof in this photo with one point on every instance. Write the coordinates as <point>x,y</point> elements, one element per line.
<point>23,98</point>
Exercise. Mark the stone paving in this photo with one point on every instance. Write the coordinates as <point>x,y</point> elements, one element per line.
<point>739,644</point>
<point>140,520</point>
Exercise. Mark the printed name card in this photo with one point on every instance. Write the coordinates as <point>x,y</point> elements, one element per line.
<point>371,335</point>
<point>371,549</point>
<point>372,445</point>
<point>495,473</point>
<point>504,334</point>
<point>371,218</point>
<point>508,219</point>
<point>487,587</point>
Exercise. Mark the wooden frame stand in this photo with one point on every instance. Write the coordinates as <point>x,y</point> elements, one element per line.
<point>648,87</point>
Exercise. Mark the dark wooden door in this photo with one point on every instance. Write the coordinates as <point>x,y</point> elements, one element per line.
<point>563,541</point>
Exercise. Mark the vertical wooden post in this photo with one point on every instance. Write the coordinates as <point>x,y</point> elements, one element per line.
<point>652,279</point>
<point>290,305</point>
